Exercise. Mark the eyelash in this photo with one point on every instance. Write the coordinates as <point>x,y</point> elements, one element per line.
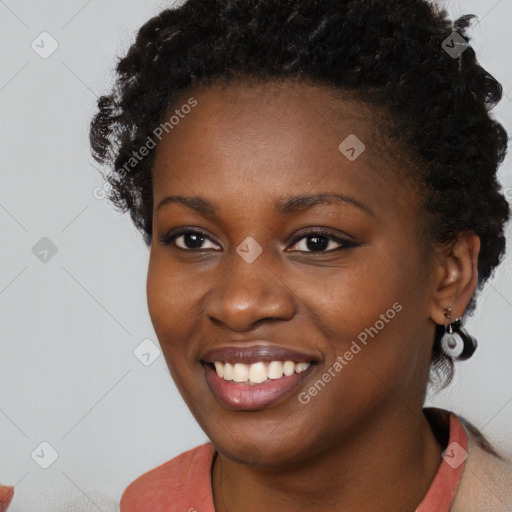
<point>344,243</point>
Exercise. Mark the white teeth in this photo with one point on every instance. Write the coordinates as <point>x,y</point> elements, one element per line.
<point>275,370</point>
<point>241,372</point>
<point>259,372</point>
<point>219,367</point>
<point>288,368</point>
<point>300,367</point>
<point>228,371</point>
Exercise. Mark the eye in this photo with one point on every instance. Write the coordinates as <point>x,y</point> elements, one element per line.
<point>188,240</point>
<point>321,241</point>
<point>313,241</point>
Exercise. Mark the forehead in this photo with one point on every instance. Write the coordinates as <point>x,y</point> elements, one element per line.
<point>300,106</point>
<point>260,138</point>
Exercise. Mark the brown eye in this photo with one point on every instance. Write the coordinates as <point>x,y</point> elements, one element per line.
<point>188,240</point>
<point>321,241</point>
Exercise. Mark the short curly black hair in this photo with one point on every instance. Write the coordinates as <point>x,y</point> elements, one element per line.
<point>392,54</point>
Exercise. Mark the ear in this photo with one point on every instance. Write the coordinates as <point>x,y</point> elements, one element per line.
<point>456,276</point>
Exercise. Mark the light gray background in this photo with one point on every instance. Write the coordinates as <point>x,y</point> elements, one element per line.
<point>68,374</point>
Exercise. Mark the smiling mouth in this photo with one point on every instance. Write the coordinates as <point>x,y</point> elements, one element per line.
<point>258,372</point>
<point>256,376</point>
<point>256,386</point>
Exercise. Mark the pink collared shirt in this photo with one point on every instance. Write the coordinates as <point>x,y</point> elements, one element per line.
<point>183,484</point>
<point>441,493</point>
<point>6,494</point>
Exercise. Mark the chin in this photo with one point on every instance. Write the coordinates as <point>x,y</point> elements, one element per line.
<point>258,450</point>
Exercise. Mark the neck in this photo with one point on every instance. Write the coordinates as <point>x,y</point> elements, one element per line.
<point>387,466</point>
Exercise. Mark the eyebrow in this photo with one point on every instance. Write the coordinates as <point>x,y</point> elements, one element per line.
<point>286,206</point>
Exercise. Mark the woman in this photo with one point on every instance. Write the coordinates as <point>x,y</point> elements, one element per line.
<point>317,185</point>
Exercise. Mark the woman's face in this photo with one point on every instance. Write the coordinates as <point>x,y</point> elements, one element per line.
<point>248,279</point>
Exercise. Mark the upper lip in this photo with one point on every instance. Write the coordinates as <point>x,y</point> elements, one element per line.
<point>260,351</point>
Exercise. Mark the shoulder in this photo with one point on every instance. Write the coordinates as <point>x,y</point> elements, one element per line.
<point>486,482</point>
<point>177,484</point>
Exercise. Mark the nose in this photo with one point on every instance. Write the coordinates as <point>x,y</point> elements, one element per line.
<point>249,294</point>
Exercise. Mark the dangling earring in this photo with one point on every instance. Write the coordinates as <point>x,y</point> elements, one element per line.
<point>456,342</point>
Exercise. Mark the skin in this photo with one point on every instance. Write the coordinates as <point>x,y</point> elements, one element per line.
<point>362,443</point>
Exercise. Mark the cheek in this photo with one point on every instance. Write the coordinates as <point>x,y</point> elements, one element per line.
<point>169,305</point>
<point>161,301</point>
<point>352,298</point>
<point>174,299</point>
<point>170,292</point>
<point>372,313</point>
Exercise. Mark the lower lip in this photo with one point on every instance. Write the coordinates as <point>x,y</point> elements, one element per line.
<point>251,397</point>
